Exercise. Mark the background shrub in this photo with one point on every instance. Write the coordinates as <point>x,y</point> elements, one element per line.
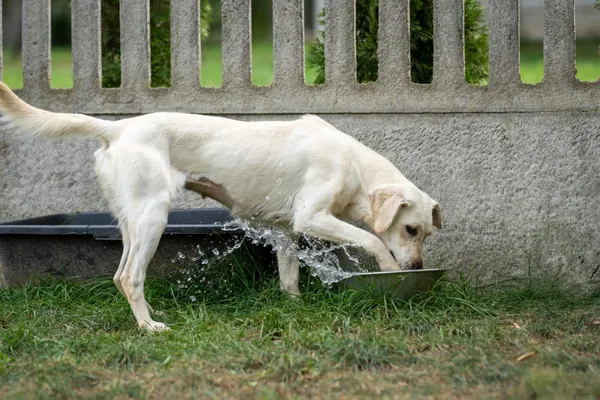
<point>160,48</point>
<point>421,42</point>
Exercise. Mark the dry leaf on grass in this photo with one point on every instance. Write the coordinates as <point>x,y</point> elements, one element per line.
<point>525,356</point>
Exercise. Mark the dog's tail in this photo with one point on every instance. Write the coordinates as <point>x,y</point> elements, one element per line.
<point>21,117</point>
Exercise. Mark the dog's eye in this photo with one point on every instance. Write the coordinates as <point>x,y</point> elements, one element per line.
<point>411,230</point>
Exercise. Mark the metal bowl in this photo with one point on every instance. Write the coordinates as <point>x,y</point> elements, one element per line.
<point>399,284</point>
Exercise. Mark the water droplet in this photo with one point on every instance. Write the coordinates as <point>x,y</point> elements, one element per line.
<point>215,252</point>
<point>267,198</point>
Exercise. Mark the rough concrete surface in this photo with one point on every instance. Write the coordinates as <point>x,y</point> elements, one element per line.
<point>518,191</point>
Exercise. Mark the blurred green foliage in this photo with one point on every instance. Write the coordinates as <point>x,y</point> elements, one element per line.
<point>160,48</point>
<point>421,42</point>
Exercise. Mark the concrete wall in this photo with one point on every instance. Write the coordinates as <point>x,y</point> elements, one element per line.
<point>516,167</point>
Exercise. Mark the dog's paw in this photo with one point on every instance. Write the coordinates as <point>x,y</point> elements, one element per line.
<point>154,326</point>
<point>390,266</point>
<point>293,295</point>
<point>155,312</point>
<point>292,291</point>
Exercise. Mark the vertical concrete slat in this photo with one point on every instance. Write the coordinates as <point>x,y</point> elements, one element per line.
<point>36,45</point>
<point>86,46</point>
<point>559,41</point>
<point>340,42</point>
<point>1,64</point>
<point>393,49</point>
<point>135,44</point>
<point>185,44</point>
<point>288,43</point>
<point>504,43</point>
<point>237,47</point>
<point>448,43</point>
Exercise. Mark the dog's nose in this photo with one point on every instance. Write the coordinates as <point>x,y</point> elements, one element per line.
<point>416,264</point>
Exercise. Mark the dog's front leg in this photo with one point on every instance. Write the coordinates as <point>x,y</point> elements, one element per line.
<point>289,271</point>
<point>327,227</point>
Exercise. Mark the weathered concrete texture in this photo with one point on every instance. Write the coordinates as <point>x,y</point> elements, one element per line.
<point>559,41</point>
<point>135,44</point>
<point>519,192</point>
<point>236,44</point>
<point>86,46</point>
<point>504,43</point>
<point>448,43</point>
<point>383,97</point>
<point>340,59</point>
<point>288,43</point>
<point>185,44</point>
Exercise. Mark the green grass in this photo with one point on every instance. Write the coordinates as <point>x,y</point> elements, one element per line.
<point>67,340</point>
<point>532,65</point>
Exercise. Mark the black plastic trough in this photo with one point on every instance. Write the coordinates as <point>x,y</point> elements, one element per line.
<point>88,244</point>
<point>103,226</point>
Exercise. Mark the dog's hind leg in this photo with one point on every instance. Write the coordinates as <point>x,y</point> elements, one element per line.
<point>146,234</point>
<point>126,247</point>
<point>125,239</point>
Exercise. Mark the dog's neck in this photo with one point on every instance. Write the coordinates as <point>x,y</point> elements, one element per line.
<point>371,173</point>
<point>371,178</point>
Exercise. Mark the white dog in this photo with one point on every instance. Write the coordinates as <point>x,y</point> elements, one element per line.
<point>305,174</point>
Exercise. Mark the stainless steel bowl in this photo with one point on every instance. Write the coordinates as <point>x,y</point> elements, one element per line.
<point>399,284</point>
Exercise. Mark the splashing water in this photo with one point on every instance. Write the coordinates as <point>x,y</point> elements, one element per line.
<point>203,271</point>
<point>319,256</point>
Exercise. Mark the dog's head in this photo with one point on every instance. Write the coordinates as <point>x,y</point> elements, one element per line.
<point>402,217</point>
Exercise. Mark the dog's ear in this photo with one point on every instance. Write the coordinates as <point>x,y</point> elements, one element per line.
<point>438,220</point>
<point>385,203</point>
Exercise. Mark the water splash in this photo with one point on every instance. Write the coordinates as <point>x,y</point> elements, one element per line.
<point>319,256</point>
<point>203,270</point>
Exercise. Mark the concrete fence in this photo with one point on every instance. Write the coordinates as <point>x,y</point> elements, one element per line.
<point>516,167</point>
